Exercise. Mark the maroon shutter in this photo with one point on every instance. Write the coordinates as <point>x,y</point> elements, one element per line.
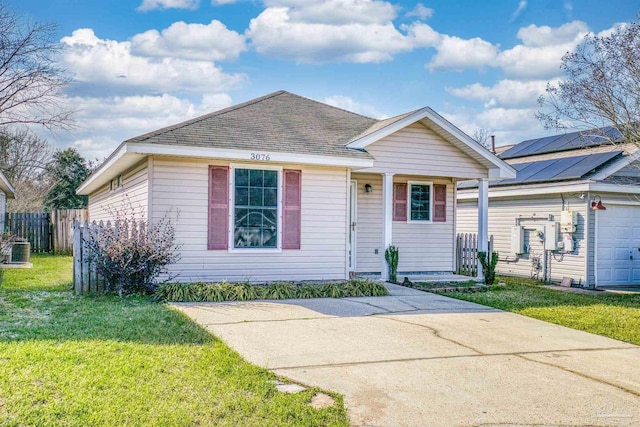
<point>218,234</point>
<point>292,209</point>
<point>400,201</point>
<point>440,203</point>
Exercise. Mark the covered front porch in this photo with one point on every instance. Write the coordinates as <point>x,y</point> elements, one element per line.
<point>415,213</point>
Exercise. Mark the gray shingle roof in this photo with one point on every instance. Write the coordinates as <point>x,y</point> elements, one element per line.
<point>279,122</point>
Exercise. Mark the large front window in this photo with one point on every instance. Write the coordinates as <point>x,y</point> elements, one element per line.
<point>420,201</point>
<point>256,208</point>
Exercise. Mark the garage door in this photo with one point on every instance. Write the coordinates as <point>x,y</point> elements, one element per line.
<point>618,246</point>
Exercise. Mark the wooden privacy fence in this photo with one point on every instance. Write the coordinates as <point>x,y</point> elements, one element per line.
<point>467,253</point>
<point>62,221</point>
<point>46,232</point>
<point>34,227</point>
<point>85,277</point>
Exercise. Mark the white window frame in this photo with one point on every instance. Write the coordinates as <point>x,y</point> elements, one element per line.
<point>420,221</point>
<point>232,208</point>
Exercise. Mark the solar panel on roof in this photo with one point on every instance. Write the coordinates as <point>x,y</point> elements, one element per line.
<point>559,169</point>
<point>587,164</point>
<point>513,151</point>
<point>554,169</point>
<point>555,143</point>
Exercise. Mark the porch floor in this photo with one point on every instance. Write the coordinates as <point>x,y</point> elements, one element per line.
<point>422,277</point>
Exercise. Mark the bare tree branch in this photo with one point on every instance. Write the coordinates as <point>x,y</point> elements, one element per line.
<point>600,94</point>
<point>31,83</point>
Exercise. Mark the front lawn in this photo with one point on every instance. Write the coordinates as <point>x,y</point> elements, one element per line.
<point>81,361</point>
<point>612,315</point>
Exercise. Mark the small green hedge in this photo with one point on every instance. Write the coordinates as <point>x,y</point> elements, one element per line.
<point>216,292</point>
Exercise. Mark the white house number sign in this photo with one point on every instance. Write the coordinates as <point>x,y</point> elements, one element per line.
<point>260,156</point>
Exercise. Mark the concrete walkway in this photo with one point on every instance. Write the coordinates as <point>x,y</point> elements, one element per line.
<point>418,359</point>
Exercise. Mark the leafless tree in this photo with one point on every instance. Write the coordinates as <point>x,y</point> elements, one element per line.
<point>482,137</point>
<point>30,82</point>
<point>23,160</point>
<point>600,93</point>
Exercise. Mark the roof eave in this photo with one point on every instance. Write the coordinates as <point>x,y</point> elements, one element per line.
<point>130,153</point>
<point>6,186</point>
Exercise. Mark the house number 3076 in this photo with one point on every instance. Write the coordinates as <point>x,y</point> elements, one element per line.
<point>260,156</point>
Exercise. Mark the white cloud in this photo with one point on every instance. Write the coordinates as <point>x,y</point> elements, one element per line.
<point>104,122</point>
<point>101,64</point>
<point>522,5</point>
<point>541,36</point>
<point>349,104</point>
<point>168,4</point>
<point>336,12</point>
<point>211,42</point>
<point>454,53</point>
<point>509,125</point>
<point>276,33</point>
<point>420,11</point>
<point>540,54</point>
<point>422,35</point>
<point>506,93</point>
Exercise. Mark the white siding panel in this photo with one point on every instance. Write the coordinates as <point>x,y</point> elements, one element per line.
<point>103,204</point>
<point>416,150</point>
<point>423,247</point>
<point>183,184</point>
<point>502,215</point>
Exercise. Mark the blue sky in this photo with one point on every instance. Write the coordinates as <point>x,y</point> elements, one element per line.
<point>139,65</point>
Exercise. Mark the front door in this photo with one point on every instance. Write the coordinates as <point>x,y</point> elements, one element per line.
<point>353,215</point>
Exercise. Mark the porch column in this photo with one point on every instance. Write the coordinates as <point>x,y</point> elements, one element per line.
<point>387,219</point>
<point>483,220</point>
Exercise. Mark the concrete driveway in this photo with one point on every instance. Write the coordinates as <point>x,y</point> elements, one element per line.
<point>420,359</point>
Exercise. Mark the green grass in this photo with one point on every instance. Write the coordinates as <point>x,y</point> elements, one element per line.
<point>108,361</point>
<point>612,315</point>
<point>49,273</point>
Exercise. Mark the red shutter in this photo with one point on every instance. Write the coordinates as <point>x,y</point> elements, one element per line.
<point>400,201</point>
<point>440,203</point>
<point>292,209</point>
<point>218,233</point>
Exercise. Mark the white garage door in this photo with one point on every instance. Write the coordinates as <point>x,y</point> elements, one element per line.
<point>618,246</point>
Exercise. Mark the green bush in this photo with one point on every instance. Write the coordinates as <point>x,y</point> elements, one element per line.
<point>217,292</point>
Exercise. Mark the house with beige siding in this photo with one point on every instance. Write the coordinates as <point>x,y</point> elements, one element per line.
<point>283,187</point>
<point>572,212</point>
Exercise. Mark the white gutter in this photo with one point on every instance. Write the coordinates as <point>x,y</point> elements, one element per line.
<point>261,156</point>
<point>598,187</point>
<point>7,187</point>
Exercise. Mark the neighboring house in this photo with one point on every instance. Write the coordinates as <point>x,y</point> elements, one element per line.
<point>571,172</point>
<point>6,192</point>
<point>286,188</point>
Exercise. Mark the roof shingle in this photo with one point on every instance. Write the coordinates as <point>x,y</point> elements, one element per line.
<point>278,122</point>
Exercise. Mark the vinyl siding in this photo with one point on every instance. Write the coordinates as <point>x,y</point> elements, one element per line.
<point>423,247</point>
<point>183,184</point>
<point>104,203</point>
<point>416,150</point>
<point>502,215</point>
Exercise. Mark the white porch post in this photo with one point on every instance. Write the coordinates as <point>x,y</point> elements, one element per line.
<point>483,220</point>
<point>387,219</point>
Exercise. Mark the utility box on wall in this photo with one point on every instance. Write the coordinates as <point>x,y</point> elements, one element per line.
<point>568,221</point>
<point>551,236</point>
<point>517,240</point>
